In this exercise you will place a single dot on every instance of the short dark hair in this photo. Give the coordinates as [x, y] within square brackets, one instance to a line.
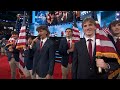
[14, 32]
[29, 37]
[69, 29]
[113, 23]
[43, 27]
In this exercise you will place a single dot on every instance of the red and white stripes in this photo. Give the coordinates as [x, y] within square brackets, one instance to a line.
[76, 34]
[22, 38]
[21, 42]
[104, 47]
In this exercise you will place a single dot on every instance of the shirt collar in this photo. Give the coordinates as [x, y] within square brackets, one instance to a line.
[116, 37]
[93, 38]
[69, 39]
[44, 39]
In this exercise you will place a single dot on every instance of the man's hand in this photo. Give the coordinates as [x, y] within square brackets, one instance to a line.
[100, 63]
[34, 41]
[24, 47]
[10, 48]
[48, 76]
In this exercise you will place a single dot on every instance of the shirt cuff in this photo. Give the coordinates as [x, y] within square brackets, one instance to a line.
[67, 52]
[108, 67]
[30, 46]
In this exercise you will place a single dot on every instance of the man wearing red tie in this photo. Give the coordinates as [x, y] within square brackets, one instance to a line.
[66, 48]
[85, 65]
[44, 54]
[114, 27]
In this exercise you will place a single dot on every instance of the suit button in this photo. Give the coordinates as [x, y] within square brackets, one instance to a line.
[90, 68]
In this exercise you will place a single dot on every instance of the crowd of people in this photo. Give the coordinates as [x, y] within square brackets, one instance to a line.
[57, 17]
[78, 58]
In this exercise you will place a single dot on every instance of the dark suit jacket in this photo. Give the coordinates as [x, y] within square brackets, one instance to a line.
[15, 54]
[28, 58]
[63, 47]
[81, 66]
[44, 59]
[111, 38]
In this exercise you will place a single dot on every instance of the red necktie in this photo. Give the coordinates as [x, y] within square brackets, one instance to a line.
[118, 44]
[70, 57]
[68, 43]
[41, 43]
[90, 49]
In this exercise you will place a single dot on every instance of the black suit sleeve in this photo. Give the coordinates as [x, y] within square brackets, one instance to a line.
[75, 63]
[51, 59]
[62, 49]
[114, 65]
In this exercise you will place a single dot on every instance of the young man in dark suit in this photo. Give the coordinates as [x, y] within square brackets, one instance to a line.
[85, 64]
[66, 48]
[13, 54]
[44, 54]
[28, 58]
[114, 27]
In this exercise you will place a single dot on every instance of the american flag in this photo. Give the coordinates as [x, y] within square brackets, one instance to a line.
[20, 44]
[104, 47]
[76, 32]
[106, 30]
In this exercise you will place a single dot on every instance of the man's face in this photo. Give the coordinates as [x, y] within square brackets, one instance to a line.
[68, 33]
[15, 36]
[89, 28]
[115, 28]
[42, 33]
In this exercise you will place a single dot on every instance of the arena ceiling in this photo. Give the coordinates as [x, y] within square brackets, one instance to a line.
[11, 15]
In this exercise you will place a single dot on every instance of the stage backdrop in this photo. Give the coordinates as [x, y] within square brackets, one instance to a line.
[56, 30]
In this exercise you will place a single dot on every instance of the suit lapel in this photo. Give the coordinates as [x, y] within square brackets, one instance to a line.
[86, 50]
[46, 43]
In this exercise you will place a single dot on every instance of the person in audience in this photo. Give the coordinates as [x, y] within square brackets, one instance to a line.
[85, 64]
[3, 43]
[66, 48]
[67, 16]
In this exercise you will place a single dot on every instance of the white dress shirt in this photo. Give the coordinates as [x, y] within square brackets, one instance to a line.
[43, 40]
[115, 38]
[70, 41]
[93, 42]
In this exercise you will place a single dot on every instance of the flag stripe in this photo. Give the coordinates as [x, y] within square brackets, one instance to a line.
[21, 41]
[102, 37]
[21, 44]
[22, 37]
[22, 63]
[104, 43]
[76, 36]
[22, 34]
[23, 31]
[105, 49]
[76, 33]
